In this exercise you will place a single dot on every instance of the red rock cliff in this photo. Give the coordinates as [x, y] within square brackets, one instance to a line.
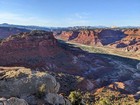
[28, 47]
[128, 39]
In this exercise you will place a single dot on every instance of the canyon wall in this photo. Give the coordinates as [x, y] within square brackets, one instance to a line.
[126, 39]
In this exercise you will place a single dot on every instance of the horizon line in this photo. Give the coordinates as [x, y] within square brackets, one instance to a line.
[107, 26]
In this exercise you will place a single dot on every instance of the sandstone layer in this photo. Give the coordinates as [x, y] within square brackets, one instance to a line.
[126, 39]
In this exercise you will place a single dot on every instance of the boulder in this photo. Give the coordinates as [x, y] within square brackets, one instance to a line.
[13, 101]
[33, 87]
[21, 81]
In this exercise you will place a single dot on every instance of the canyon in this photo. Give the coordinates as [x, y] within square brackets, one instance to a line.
[125, 39]
[59, 55]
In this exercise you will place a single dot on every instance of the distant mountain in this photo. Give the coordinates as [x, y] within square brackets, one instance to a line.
[7, 31]
[85, 27]
[51, 28]
[130, 27]
[25, 27]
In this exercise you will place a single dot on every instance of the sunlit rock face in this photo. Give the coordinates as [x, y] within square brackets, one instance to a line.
[96, 37]
[28, 48]
[128, 39]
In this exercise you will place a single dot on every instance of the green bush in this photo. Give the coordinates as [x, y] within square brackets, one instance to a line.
[76, 98]
[104, 97]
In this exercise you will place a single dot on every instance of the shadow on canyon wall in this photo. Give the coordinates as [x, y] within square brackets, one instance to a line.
[77, 50]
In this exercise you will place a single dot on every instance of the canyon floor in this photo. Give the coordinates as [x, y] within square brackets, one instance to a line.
[106, 50]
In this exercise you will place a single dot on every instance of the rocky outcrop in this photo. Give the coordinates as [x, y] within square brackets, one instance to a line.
[84, 37]
[28, 49]
[29, 85]
[129, 43]
[21, 81]
[97, 37]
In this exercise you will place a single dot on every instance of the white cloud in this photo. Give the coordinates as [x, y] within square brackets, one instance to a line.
[82, 15]
[76, 19]
[21, 19]
[79, 16]
[77, 22]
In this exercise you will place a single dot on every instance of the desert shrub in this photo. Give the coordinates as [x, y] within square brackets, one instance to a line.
[109, 97]
[105, 101]
[88, 98]
[76, 98]
[104, 97]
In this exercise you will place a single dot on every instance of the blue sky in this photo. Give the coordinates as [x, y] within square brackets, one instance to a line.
[61, 13]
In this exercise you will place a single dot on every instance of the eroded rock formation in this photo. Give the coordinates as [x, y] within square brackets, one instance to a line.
[28, 48]
[128, 39]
